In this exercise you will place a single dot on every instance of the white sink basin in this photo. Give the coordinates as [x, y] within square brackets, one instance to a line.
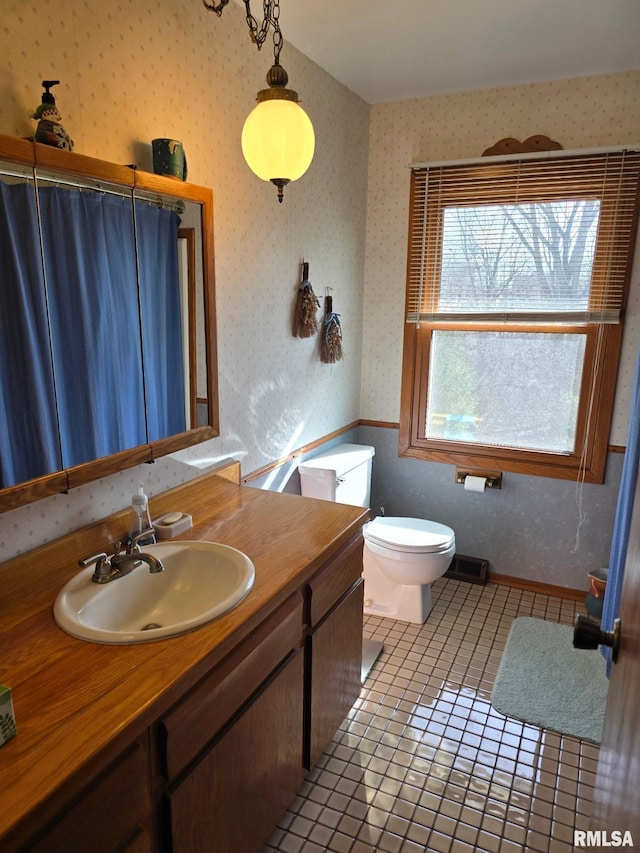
[200, 581]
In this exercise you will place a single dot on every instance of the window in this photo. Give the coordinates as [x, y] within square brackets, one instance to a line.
[517, 278]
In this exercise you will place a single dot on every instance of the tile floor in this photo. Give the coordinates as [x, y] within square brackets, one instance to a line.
[424, 763]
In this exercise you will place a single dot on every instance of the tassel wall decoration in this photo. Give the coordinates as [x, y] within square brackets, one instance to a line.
[331, 343]
[305, 323]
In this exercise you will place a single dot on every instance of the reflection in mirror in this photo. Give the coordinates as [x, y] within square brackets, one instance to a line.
[196, 352]
[193, 274]
[161, 318]
[29, 445]
[186, 264]
[172, 312]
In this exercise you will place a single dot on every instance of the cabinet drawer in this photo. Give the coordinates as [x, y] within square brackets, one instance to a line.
[204, 711]
[335, 579]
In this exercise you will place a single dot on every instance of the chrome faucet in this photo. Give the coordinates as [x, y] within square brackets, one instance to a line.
[123, 563]
[108, 569]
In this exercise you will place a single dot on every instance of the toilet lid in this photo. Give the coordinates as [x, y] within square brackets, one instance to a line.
[413, 535]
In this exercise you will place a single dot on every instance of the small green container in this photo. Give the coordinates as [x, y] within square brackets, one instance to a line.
[7, 717]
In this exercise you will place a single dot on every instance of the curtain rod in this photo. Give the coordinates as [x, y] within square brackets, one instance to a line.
[78, 184]
[529, 155]
[125, 192]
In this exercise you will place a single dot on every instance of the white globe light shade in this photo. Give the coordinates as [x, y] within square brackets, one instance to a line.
[278, 140]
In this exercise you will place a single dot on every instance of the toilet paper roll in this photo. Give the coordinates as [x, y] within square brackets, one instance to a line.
[474, 484]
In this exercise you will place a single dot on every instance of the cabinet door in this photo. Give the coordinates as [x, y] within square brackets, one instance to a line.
[232, 800]
[113, 814]
[335, 655]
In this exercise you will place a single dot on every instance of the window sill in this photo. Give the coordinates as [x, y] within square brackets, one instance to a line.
[538, 465]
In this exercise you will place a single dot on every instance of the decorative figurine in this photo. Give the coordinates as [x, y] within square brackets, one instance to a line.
[49, 130]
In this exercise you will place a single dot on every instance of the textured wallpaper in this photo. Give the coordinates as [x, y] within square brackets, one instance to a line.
[134, 70]
[584, 113]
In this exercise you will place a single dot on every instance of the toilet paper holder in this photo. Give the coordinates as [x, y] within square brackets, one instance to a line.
[493, 478]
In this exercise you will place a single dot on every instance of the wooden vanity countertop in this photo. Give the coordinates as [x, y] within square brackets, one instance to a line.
[76, 703]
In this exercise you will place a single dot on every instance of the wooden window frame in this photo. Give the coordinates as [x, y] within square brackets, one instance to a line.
[602, 352]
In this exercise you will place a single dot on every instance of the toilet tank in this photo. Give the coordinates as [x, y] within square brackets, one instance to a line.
[341, 474]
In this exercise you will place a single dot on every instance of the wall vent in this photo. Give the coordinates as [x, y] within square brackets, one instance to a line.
[470, 569]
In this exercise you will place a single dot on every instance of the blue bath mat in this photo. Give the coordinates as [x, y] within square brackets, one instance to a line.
[544, 681]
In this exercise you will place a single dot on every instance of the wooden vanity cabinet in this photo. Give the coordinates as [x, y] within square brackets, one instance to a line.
[217, 770]
[238, 746]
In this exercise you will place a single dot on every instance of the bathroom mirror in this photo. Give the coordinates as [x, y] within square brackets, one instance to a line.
[108, 351]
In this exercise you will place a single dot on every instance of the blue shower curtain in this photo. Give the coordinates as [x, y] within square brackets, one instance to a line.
[157, 246]
[106, 376]
[611, 604]
[90, 270]
[29, 445]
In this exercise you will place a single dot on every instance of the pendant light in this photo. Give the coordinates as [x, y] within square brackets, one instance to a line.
[278, 141]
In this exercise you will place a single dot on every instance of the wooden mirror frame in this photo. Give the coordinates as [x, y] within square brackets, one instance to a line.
[69, 164]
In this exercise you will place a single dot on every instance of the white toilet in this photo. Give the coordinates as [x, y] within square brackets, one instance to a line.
[402, 556]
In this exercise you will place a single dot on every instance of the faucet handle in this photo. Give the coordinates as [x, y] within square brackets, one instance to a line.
[98, 559]
[103, 568]
[133, 545]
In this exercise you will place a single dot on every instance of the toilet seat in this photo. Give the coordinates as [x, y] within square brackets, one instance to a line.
[409, 535]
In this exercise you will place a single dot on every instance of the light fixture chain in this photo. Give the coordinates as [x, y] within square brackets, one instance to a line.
[277, 35]
[258, 33]
[215, 7]
[271, 16]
